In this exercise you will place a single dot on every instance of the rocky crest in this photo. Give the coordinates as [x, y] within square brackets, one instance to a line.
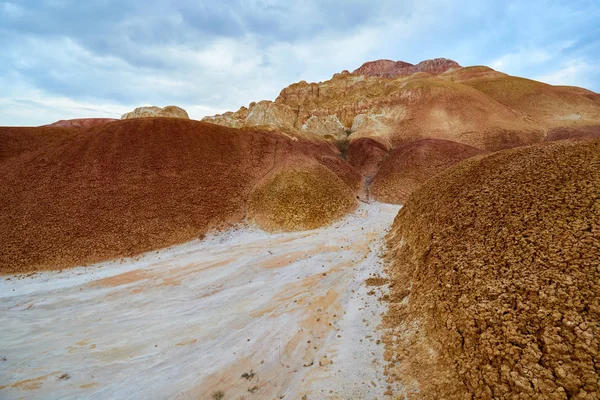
[392, 69]
[396, 103]
[153, 111]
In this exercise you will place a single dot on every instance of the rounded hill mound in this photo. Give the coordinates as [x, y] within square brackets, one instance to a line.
[130, 186]
[299, 198]
[496, 277]
[408, 167]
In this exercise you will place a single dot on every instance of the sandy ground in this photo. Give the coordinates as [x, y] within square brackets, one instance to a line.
[251, 314]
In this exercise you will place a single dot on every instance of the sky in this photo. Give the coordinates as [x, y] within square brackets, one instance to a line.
[64, 59]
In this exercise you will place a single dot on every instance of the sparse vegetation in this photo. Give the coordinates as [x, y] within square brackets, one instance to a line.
[248, 375]
[218, 395]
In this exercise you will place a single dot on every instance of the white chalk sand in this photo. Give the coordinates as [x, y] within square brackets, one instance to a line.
[251, 314]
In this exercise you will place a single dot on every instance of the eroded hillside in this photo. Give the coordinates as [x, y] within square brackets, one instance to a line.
[495, 265]
[126, 187]
[396, 103]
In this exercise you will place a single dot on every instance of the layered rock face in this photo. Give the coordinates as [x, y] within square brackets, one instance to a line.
[126, 187]
[395, 103]
[386, 105]
[495, 278]
[153, 111]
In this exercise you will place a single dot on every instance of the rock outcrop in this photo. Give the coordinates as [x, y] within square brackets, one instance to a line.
[395, 103]
[328, 127]
[153, 111]
[392, 69]
[495, 278]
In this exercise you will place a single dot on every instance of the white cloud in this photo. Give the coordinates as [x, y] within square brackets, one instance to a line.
[193, 80]
[575, 72]
[223, 76]
[219, 57]
[521, 59]
[524, 59]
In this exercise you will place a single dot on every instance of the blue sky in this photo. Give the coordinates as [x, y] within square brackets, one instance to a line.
[100, 58]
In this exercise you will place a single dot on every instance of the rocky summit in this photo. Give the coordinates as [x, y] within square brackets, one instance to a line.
[153, 111]
[392, 69]
[396, 103]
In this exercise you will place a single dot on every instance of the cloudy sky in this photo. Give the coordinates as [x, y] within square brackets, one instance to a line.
[100, 58]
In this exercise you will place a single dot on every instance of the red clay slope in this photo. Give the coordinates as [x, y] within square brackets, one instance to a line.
[81, 122]
[130, 186]
[574, 132]
[365, 155]
[495, 265]
[408, 167]
[15, 141]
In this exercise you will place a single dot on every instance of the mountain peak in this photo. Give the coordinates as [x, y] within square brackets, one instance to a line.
[391, 69]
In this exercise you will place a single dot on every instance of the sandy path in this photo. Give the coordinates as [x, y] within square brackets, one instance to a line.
[290, 311]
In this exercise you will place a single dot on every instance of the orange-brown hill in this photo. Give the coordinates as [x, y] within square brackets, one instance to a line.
[15, 141]
[576, 133]
[549, 106]
[130, 186]
[392, 111]
[406, 168]
[300, 198]
[495, 269]
[395, 103]
[391, 69]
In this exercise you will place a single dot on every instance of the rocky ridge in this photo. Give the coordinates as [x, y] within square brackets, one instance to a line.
[392, 69]
[80, 122]
[396, 103]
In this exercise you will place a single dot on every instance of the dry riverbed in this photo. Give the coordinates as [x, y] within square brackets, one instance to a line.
[243, 314]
